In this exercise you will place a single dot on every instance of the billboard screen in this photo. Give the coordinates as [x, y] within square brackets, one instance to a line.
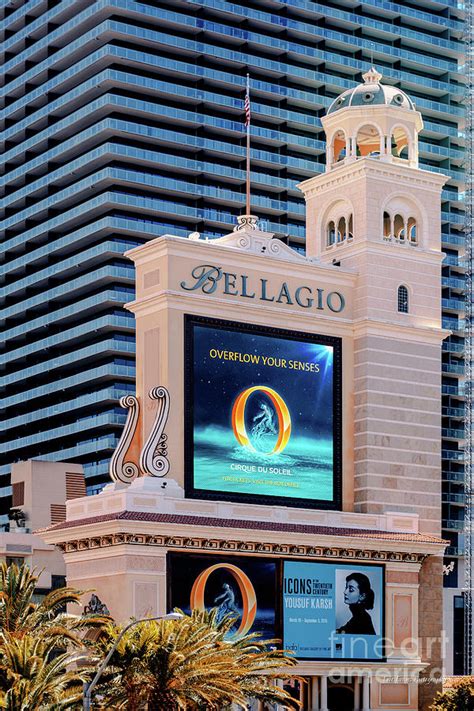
[263, 413]
[333, 611]
[238, 585]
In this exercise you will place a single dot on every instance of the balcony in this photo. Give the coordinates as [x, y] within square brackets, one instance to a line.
[452, 524]
[454, 498]
[457, 412]
[453, 476]
[453, 283]
[454, 551]
[452, 433]
[450, 347]
[452, 454]
[457, 390]
[453, 304]
[456, 368]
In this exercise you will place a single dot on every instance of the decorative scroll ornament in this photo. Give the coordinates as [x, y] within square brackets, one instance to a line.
[119, 469]
[154, 455]
[246, 222]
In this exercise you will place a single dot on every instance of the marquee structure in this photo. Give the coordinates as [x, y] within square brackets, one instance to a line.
[281, 458]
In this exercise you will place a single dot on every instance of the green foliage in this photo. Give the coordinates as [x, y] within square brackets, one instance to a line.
[38, 643]
[458, 698]
[37, 677]
[19, 615]
[191, 663]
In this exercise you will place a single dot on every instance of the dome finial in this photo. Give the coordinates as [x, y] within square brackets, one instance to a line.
[372, 76]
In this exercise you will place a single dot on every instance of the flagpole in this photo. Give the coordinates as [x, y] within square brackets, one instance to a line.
[247, 122]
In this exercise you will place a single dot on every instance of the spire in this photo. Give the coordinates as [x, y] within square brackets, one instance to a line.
[372, 76]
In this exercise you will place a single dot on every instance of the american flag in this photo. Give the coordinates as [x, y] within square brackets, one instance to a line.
[247, 104]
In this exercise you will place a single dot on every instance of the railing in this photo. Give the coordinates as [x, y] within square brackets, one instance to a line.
[451, 524]
[454, 551]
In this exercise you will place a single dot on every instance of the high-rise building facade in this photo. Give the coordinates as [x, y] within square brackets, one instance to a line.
[123, 120]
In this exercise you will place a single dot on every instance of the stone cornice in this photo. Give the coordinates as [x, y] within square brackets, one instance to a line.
[235, 544]
[408, 332]
[383, 247]
[211, 534]
[373, 169]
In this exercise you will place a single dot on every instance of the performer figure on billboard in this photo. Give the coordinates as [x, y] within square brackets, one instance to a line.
[226, 602]
[264, 422]
[360, 597]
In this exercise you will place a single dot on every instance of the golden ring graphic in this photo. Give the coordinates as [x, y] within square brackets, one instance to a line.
[284, 419]
[247, 592]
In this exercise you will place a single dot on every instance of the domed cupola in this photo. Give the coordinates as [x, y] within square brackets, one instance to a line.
[372, 120]
[372, 93]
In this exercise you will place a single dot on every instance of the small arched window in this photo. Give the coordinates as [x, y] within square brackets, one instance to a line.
[402, 299]
[399, 228]
[368, 137]
[386, 226]
[339, 146]
[341, 229]
[400, 143]
[411, 226]
[331, 234]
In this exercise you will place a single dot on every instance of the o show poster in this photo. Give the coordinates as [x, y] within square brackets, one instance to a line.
[236, 585]
[333, 611]
[263, 414]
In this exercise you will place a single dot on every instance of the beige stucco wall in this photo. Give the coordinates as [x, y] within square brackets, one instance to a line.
[160, 310]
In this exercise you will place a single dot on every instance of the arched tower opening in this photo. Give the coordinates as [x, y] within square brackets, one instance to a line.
[368, 141]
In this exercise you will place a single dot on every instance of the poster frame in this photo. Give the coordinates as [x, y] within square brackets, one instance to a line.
[179, 554]
[190, 321]
[353, 566]
[280, 561]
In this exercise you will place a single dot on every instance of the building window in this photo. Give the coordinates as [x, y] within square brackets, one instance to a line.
[340, 230]
[15, 560]
[403, 299]
[412, 237]
[331, 234]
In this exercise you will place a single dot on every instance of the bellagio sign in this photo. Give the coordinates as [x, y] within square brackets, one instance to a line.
[210, 279]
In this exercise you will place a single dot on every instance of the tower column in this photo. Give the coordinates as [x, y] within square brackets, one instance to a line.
[314, 693]
[365, 693]
[356, 693]
[324, 693]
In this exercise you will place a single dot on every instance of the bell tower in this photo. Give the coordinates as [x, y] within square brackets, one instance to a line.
[374, 211]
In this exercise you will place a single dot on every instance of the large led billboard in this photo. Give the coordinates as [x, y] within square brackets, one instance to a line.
[263, 414]
[333, 610]
[236, 585]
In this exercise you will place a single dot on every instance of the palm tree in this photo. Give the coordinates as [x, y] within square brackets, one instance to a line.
[35, 676]
[19, 615]
[37, 643]
[191, 663]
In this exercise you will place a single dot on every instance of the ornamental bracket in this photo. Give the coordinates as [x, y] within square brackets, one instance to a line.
[154, 455]
[129, 459]
[119, 469]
